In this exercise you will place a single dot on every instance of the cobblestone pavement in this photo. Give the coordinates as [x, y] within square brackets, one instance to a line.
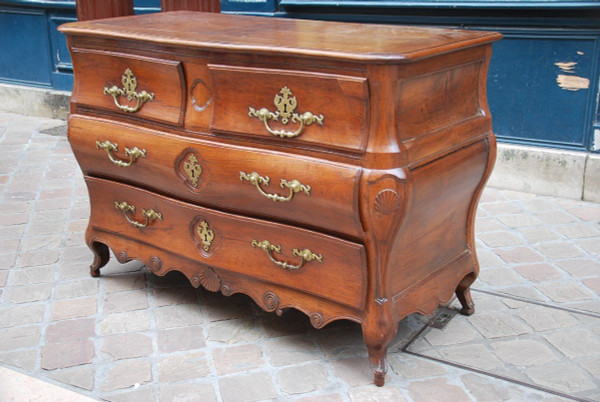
[132, 336]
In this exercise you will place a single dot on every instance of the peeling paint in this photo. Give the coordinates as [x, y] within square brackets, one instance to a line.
[596, 142]
[572, 82]
[566, 66]
[579, 52]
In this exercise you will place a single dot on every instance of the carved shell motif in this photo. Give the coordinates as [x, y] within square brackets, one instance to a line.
[208, 279]
[387, 201]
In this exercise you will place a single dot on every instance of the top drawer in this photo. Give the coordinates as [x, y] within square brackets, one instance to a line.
[138, 86]
[329, 110]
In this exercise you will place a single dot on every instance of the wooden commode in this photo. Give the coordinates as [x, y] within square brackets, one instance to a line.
[333, 168]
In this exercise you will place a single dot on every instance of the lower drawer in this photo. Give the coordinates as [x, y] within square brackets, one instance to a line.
[312, 262]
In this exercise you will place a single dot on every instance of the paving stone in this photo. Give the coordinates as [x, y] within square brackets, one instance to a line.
[324, 398]
[485, 389]
[526, 292]
[291, 350]
[187, 393]
[247, 387]
[555, 217]
[593, 284]
[497, 325]
[80, 253]
[519, 255]
[15, 207]
[186, 366]
[562, 292]
[574, 231]
[175, 295]
[24, 359]
[7, 261]
[523, 352]
[291, 322]
[539, 233]
[544, 318]
[142, 394]
[473, 355]
[354, 370]
[411, 367]
[237, 358]
[73, 270]
[181, 315]
[80, 377]
[591, 246]
[13, 219]
[73, 308]
[71, 330]
[121, 282]
[21, 315]
[580, 267]
[587, 212]
[500, 239]
[76, 288]
[19, 337]
[41, 242]
[38, 257]
[12, 232]
[30, 293]
[488, 259]
[30, 276]
[133, 321]
[592, 365]
[560, 376]
[559, 250]
[302, 379]
[518, 220]
[586, 344]
[219, 307]
[45, 228]
[3, 278]
[126, 374]
[501, 208]
[10, 245]
[343, 342]
[234, 331]
[499, 276]
[125, 301]
[179, 339]
[67, 354]
[483, 225]
[456, 331]
[127, 346]
[436, 390]
[538, 272]
[388, 393]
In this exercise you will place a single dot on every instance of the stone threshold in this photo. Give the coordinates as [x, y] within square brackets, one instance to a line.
[542, 171]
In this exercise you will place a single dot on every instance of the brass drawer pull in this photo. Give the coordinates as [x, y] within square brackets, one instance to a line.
[285, 104]
[149, 214]
[109, 147]
[129, 85]
[295, 186]
[305, 255]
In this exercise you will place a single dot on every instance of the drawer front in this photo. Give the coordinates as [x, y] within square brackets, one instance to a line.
[134, 86]
[297, 258]
[325, 194]
[293, 107]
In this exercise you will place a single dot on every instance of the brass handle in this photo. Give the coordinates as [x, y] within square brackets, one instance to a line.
[109, 147]
[305, 255]
[129, 85]
[285, 104]
[150, 214]
[295, 186]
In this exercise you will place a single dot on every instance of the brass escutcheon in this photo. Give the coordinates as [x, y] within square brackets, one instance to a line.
[149, 214]
[192, 169]
[109, 147]
[294, 186]
[286, 104]
[129, 86]
[305, 255]
[206, 234]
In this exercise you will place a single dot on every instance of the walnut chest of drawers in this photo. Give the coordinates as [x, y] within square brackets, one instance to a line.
[333, 168]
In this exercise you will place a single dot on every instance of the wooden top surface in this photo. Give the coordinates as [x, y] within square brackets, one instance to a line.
[247, 34]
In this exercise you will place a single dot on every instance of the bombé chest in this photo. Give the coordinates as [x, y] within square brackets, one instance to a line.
[333, 168]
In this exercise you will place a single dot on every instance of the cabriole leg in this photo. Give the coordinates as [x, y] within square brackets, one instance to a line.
[378, 335]
[101, 257]
[463, 292]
